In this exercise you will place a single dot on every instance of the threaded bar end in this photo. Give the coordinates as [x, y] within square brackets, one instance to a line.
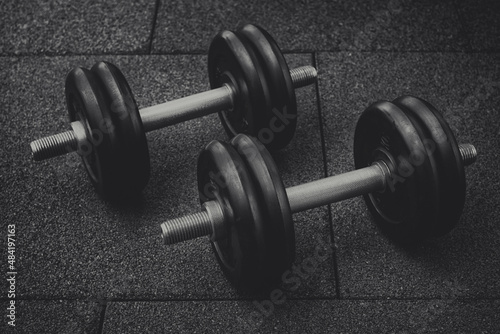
[303, 76]
[53, 146]
[186, 228]
[468, 153]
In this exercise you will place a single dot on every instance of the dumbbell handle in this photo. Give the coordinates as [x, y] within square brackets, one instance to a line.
[352, 184]
[338, 187]
[186, 108]
[206, 103]
[301, 197]
[163, 115]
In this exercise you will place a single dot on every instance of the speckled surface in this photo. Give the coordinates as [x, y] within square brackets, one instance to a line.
[393, 25]
[89, 266]
[481, 21]
[292, 316]
[81, 27]
[56, 316]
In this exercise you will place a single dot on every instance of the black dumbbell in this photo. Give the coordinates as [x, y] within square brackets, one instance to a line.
[410, 171]
[252, 89]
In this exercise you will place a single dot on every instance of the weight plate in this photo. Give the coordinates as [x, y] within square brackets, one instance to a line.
[425, 157]
[444, 150]
[130, 170]
[231, 62]
[280, 119]
[86, 103]
[279, 231]
[222, 176]
[410, 200]
[261, 126]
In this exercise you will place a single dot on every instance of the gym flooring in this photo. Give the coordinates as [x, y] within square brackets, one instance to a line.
[84, 265]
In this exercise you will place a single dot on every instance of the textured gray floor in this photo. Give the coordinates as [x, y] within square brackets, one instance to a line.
[87, 266]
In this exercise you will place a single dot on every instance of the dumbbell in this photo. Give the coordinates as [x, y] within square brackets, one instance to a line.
[409, 168]
[252, 89]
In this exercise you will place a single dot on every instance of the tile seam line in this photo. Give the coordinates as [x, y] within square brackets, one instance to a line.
[102, 318]
[336, 274]
[153, 27]
[130, 54]
[68, 55]
[389, 299]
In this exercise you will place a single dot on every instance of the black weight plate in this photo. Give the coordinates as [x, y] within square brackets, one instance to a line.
[130, 171]
[222, 176]
[86, 103]
[281, 117]
[230, 62]
[446, 153]
[410, 200]
[260, 115]
[279, 231]
[433, 203]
